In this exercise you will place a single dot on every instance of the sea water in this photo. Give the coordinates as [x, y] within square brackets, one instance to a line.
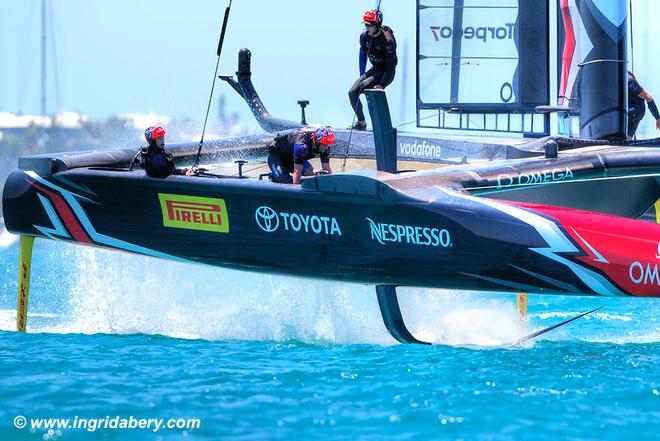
[117, 340]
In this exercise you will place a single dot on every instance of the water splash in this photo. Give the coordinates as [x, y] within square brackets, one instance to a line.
[6, 238]
[460, 318]
[87, 290]
[110, 292]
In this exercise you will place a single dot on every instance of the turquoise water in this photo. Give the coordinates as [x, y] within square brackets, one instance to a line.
[255, 357]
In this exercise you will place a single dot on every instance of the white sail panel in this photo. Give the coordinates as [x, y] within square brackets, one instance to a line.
[482, 57]
[471, 51]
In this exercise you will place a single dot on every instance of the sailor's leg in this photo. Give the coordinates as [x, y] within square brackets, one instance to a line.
[364, 82]
[634, 118]
[354, 99]
[278, 170]
[381, 80]
[389, 309]
[24, 264]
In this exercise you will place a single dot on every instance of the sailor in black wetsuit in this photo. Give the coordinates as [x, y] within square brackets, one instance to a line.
[290, 154]
[636, 108]
[378, 44]
[155, 160]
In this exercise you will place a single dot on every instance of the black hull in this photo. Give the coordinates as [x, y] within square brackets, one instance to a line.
[366, 229]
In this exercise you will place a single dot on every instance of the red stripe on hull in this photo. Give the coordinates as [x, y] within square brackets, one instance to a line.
[68, 217]
[626, 250]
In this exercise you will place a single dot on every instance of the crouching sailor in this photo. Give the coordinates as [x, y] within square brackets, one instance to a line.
[155, 160]
[290, 154]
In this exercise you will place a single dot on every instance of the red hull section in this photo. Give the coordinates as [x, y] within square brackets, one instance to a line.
[626, 251]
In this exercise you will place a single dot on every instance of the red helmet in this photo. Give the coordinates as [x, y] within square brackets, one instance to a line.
[372, 16]
[324, 135]
[154, 132]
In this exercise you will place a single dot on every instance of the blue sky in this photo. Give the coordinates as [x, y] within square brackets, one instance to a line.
[128, 56]
[158, 56]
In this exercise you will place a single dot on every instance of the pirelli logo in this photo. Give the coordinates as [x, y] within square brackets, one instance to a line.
[194, 213]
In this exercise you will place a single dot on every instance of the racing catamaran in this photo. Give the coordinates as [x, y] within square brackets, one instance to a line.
[553, 215]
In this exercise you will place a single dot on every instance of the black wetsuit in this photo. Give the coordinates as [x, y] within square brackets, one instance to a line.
[295, 148]
[636, 104]
[381, 51]
[158, 163]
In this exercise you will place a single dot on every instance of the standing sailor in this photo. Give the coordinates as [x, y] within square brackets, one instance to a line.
[291, 153]
[378, 44]
[636, 108]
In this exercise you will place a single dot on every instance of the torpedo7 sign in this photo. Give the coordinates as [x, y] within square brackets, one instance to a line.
[487, 54]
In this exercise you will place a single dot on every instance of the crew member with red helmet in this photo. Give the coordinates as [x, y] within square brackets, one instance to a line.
[377, 43]
[155, 160]
[290, 153]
